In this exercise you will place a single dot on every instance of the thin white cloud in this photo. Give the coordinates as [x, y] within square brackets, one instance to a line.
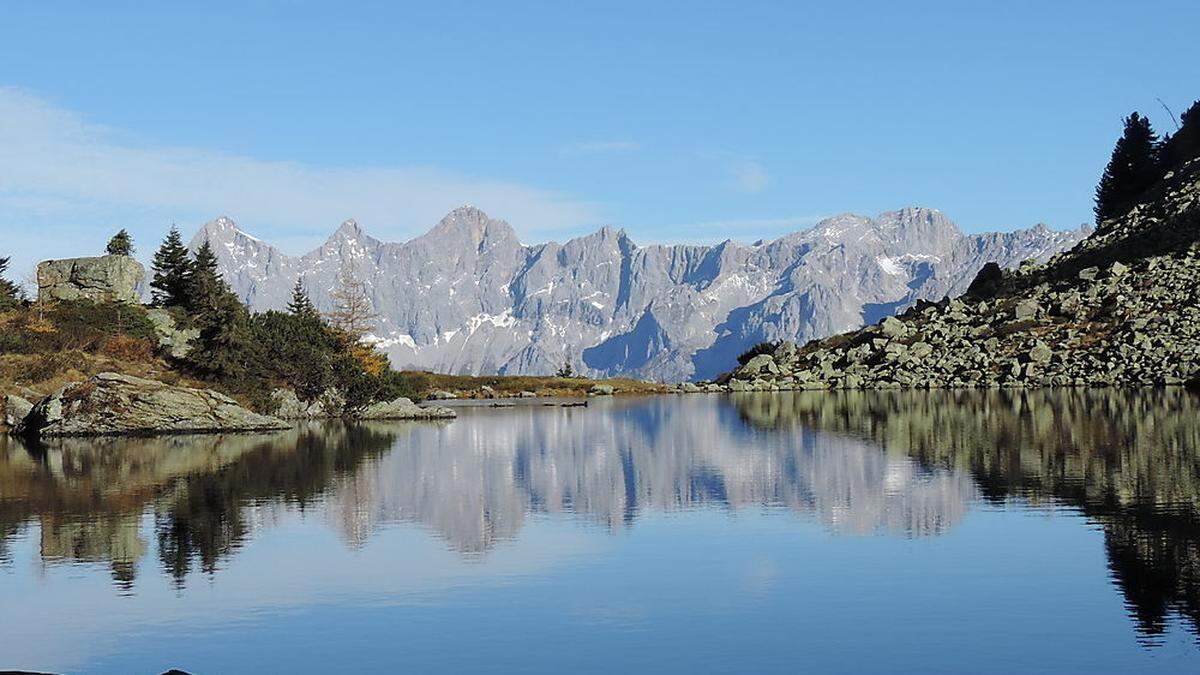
[748, 176]
[600, 147]
[53, 161]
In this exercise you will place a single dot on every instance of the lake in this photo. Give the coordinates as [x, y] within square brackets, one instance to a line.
[1005, 531]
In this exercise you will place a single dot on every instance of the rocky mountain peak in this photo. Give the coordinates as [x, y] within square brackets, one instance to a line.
[228, 239]
[221, 229]
[468, 297]
[469, 226]
[349, 230]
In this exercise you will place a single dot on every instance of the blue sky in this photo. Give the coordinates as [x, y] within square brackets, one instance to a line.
[677, 121]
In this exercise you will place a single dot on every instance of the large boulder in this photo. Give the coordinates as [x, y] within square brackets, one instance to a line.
[601, 390]
[115, 404]
[404, 409]
[109, 278]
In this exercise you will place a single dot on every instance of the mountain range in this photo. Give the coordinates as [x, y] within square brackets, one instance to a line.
[468, 297]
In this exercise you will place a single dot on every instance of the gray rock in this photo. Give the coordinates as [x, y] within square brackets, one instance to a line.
[1040, 352]
[1026, 309]
[601, 390]
[112, 404]
[404, 409]
[762, 364]
[109, 278]
[288, 406]
[892, 327]
[15, 410]
[173, 340]
[441, 395]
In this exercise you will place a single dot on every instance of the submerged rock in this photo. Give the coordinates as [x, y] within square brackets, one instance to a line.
[114, 404]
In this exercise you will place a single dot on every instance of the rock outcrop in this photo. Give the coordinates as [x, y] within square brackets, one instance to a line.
[116, 404]
[109, 278]
[1120, 309]
[404, 409]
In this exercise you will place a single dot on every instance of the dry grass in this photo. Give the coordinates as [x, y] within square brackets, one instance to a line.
[41, 374]
[468, 386]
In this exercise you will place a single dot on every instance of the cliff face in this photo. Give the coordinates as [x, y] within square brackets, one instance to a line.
[1121, 308]
[468, 297]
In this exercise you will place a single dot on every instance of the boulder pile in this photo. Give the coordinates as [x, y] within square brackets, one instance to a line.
[1120, 309]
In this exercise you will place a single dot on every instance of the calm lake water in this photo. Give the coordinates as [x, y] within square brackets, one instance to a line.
[821, 532]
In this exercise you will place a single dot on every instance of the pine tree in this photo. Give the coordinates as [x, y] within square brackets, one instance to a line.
[301, 305]
[206, 286]
[172, 272]
[120, 244]
[9, 293]
[226, 349]
[1185, 144]
[1133, 168]
[352, 313]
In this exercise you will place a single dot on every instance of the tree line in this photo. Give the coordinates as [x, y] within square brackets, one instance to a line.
[1140, 159]
[251, 352]
[243, 352]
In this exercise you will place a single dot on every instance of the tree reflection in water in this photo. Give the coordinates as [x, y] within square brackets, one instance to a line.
[860, 463]
[1127, 460]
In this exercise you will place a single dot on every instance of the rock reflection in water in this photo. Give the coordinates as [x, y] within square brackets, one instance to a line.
[1127, 460]
[476, 481]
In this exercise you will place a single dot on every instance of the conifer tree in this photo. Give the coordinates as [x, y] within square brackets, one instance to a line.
[226, 348]
[1185, 144]
[120, 244]
[301, 305]
[9, 294]
[1133, 168]
[206, 286]
[172, 272]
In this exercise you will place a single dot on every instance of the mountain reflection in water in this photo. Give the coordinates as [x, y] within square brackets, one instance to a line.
[858, 463]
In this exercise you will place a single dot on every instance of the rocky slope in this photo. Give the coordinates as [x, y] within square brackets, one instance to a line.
[1121, 308]
[468, 297]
